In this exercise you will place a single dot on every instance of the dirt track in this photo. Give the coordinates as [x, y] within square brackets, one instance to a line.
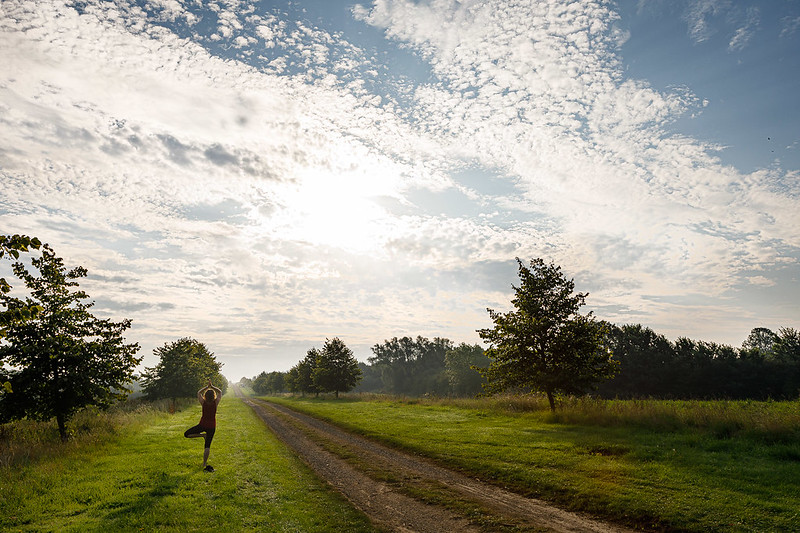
[386, 496]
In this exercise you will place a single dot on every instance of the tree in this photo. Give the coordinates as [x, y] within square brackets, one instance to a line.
[64, 358]
[11, 246]
[265, 383]
[336, 369]
[412, 366]
[184, 367]
[276, 382]
[460, 366]
[760, 343]
[787, 345]
[545, 344]
[646, 360]
[301, 376]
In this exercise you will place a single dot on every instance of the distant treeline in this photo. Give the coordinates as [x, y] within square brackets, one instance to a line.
[767, 365]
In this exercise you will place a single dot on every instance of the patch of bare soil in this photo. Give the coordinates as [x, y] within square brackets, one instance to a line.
[389, 485]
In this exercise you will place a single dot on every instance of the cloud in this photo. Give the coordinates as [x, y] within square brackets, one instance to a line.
[789, 26]
[276, 182]
[539, 92]
[697, 16]
[743, 34]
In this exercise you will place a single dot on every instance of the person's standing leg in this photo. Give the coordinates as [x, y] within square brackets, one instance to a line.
[207, 449]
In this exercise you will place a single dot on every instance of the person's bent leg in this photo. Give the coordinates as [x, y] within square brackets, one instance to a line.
[194, 432]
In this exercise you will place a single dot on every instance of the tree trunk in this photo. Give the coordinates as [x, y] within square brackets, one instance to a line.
[62, 427]
[551, 400]
[337, 394]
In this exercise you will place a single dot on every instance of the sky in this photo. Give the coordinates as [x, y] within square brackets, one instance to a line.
[261, 176]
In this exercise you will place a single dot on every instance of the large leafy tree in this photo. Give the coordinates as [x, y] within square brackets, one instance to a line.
[545, 344]
[184, 367]
[63, 358]
[336, 369]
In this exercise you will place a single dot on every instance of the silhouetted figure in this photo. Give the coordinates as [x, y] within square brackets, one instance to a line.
[209, 397]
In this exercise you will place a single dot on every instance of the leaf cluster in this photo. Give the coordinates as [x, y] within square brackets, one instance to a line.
[11, 246]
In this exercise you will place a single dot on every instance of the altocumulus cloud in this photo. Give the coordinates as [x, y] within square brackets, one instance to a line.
[244, 176]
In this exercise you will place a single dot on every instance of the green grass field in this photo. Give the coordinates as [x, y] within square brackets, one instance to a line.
[148, 478]
[693, 466]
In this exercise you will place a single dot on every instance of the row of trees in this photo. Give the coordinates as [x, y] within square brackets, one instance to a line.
[546, 344]
[421, 366]
[767, 365]
[56, 357]
[403, 366]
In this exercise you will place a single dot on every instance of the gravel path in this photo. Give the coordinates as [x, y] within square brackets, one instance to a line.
[387, 503]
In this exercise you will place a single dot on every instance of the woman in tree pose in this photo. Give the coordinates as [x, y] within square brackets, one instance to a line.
[209, 397]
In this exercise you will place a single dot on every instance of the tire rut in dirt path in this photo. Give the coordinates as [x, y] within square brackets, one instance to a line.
[387, 508]
[384, 504]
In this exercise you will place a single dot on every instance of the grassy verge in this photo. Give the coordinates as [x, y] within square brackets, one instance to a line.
[26, 441]
[149, 478]
[695, 466]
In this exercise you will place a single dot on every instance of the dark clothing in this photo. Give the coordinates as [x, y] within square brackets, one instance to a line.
[199, 429]
[209, 418]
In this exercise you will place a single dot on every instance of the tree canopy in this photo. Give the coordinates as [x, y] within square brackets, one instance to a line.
[545, 344]
[460, 364]
[336, 369]
[300, 377]
[63, 358]
[331, 369]
[412, 366]
[268, 383]
[184, 367]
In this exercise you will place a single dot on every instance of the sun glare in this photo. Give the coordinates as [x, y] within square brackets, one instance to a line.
[336, 210]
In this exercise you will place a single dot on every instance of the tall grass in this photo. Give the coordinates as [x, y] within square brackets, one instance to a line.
[772, 421]
[25, 441]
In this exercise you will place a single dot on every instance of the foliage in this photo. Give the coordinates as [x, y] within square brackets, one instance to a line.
[766, 366]
[11, 246]
[268, 383]
[412, 366]
[64, 359]
[761, 342]
[545, 343]
[460, 366]
[336, 369]
[300, 377]
[184, 367]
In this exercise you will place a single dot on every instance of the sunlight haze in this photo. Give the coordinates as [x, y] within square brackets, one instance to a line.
[261, 176]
